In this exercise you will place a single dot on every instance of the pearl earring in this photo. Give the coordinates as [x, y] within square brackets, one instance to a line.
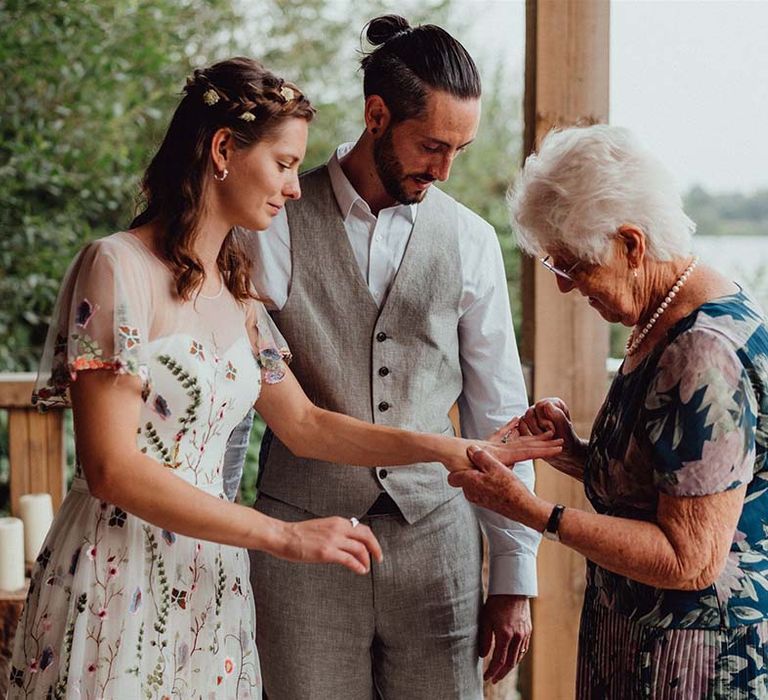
[222, 177]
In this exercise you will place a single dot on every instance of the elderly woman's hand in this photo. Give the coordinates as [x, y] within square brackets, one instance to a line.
[550, 415]
[494, 486]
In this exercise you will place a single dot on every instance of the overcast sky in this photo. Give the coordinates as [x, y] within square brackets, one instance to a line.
[690, 77]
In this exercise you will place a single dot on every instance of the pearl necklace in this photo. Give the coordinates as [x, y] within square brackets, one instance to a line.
[634, 341]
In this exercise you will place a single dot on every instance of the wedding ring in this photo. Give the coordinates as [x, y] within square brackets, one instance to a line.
[506, 436]
[355, 522]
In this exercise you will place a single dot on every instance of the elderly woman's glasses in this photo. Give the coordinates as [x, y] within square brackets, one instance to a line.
[565, 274]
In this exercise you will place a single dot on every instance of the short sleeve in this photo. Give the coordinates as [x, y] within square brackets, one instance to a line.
[700, 417]
[269, 346]
[100, 321]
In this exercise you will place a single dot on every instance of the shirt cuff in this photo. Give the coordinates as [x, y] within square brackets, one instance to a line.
[513, 574]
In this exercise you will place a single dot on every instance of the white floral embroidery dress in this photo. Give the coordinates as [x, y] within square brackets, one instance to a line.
[119, 608]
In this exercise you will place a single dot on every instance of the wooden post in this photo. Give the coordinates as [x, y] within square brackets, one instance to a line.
[567, 46]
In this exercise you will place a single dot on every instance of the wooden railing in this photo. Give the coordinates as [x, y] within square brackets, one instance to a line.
[37, 464]
[35, 442]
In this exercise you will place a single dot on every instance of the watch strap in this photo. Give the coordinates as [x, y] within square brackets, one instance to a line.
[550, 531]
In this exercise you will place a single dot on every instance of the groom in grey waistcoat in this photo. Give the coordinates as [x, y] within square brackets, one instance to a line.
[392, 297]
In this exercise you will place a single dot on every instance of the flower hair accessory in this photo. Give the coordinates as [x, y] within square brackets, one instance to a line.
[211, 97]
[287, 93]
[247, 117]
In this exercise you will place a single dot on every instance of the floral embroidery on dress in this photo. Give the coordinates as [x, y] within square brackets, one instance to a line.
[161, 407]
[84, 313]
[196, 350]
[118, 607]
[273, 364]
[130, 337]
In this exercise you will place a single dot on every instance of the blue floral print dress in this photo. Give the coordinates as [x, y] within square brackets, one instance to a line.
[119, 608]
[690, 420]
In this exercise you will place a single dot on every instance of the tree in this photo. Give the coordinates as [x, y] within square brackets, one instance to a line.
[88, 89]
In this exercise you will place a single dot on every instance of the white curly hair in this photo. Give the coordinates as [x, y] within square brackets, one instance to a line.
[584, 184]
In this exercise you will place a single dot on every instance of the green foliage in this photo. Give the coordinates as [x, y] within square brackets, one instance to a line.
[728, 214]
[82, 110]
[250, 478]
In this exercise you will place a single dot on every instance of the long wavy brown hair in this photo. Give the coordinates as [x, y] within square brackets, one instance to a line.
[174, 183]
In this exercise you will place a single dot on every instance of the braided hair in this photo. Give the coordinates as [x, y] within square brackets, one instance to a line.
[238, 94]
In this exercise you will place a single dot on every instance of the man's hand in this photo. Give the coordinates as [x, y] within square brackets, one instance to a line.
[505, 625]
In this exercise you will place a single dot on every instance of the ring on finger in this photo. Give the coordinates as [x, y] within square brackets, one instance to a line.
[355, 522]
[506, 436]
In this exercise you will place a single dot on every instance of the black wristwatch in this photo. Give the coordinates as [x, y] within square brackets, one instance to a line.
[550, 531]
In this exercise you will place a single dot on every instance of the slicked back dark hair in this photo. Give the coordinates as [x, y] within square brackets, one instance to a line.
[409, 61]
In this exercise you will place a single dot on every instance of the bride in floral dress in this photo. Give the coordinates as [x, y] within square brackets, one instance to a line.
[141, 589]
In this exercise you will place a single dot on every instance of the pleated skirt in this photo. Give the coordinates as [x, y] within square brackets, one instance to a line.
[622, 660]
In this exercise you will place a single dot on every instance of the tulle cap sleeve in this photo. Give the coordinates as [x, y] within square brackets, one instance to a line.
[100, 321]
[269, 346]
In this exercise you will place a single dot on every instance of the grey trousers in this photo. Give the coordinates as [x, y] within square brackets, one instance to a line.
[406, 631]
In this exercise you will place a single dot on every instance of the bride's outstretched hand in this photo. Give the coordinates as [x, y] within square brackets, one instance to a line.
[513, 447]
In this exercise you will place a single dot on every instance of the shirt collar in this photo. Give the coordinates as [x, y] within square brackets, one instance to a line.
[346, 195]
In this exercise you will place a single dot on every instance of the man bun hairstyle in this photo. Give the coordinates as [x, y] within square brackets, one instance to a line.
[409, 61]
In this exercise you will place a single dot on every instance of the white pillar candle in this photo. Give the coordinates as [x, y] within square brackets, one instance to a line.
[36, 510]
[11, 554]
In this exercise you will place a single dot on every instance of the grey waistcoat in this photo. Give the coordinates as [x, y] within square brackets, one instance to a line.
[395, 366]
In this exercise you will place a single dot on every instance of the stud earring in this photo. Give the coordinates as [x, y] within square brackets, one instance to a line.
[222, 177]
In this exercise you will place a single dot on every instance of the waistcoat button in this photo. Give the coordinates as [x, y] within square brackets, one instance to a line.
[383, 474]
[383, 406]
[381, 336]
[383, 371]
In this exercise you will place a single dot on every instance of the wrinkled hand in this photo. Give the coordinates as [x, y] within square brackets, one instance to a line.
[331, 541]
[492, 485]
[505, 624]
[549, 415]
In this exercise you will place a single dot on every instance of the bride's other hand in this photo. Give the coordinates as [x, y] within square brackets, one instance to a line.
[330, 541]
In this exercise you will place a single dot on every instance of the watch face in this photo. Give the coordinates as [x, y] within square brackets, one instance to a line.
[551, 535]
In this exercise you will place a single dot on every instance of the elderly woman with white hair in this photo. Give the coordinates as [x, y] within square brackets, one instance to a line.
[676, 602]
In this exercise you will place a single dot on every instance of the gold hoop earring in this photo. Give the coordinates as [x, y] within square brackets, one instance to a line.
[222, 177]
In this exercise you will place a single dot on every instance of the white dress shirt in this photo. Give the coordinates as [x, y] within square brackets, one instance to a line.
[493, 389]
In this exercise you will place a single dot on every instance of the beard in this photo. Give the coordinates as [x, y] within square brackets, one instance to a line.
[391, 172]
